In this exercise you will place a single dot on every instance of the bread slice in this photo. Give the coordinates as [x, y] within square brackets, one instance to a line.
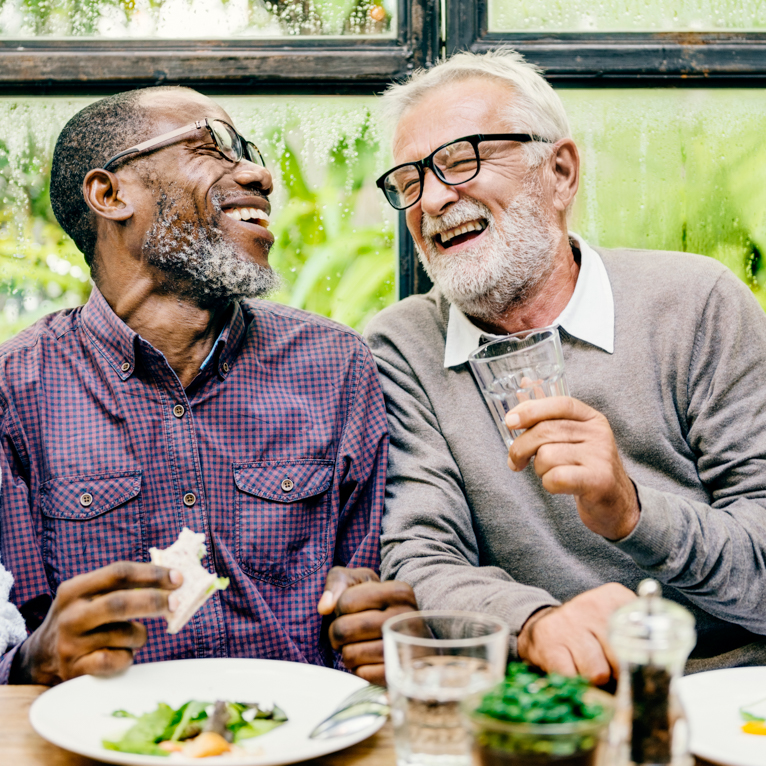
[185, 555]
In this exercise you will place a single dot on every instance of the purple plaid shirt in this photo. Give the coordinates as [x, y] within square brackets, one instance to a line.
[277, 452]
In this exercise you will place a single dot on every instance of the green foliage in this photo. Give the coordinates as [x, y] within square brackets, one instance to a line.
[78, 18]
[528, 696]
[332, 265]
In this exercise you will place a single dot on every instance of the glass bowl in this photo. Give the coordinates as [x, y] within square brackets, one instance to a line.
[504, 743]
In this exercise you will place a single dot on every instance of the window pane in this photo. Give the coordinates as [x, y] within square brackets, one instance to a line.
[626, 16]
[335, 233]
[188, 19]
[674, 170]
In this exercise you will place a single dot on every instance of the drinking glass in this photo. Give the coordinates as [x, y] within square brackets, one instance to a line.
[525, 365]
[435, 659]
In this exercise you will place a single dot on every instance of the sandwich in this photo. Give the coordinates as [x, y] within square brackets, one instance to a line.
[185, 555]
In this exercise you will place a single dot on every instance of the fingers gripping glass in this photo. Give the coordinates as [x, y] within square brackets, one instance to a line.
[453, 163]
[229, 143]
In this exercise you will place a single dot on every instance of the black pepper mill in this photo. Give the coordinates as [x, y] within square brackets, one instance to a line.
[652, 638]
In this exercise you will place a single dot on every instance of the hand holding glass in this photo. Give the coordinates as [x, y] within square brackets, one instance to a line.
[523, 366]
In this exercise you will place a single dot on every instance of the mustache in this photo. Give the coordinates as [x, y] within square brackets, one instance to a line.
[464, 210]
[220, 198]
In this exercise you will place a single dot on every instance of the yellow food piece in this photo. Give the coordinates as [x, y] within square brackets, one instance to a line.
[754, 727]
[205, 744]
[171, 747]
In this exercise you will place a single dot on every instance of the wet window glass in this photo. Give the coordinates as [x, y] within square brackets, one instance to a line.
[626, 16]
[189, 19]
[674, 170]
[335, 234]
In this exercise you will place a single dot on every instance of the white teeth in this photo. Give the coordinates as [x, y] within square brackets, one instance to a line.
[248, 214]
[446, 236]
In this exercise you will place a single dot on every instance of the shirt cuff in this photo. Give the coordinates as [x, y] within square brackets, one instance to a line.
[6, 660]
[652, 540]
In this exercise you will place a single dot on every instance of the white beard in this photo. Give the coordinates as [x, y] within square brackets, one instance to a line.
[199, 262]
[514, 257]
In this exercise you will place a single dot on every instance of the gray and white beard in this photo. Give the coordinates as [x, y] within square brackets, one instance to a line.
[512, 260]
[202, 264]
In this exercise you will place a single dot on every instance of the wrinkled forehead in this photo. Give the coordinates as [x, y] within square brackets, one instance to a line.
[168, 110]
[458, 109]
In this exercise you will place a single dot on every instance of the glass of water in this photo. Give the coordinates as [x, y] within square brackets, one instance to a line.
[435, 659]
[525, 365]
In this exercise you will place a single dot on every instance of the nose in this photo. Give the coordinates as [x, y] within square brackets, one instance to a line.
[436, 194]
[250, 174]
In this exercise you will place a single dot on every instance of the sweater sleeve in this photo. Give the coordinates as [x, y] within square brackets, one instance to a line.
[716, 553]
[428, 538]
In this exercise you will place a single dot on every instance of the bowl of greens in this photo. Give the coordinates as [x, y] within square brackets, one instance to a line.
[532, 718]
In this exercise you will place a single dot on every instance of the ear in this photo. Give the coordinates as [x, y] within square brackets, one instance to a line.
[104, 196]
[565, 164]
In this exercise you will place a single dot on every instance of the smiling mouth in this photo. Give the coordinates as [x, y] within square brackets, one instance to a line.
[460, 234]
[249, 214]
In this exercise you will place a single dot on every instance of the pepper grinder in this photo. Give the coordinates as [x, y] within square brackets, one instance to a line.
[651, 637]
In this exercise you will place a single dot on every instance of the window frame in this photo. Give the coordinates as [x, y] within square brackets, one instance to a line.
[618, 59]
[287, 65]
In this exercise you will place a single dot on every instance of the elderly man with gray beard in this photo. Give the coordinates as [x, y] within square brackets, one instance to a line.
[171, 401]
[653, 468]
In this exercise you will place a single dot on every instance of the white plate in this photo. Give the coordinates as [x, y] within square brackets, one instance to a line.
[712, 701]
[77, 714]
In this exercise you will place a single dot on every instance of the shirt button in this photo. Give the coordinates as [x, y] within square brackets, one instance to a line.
[179, 410]
[86, 499]
[189, 499]
[125, 366]
[287, 485]
[225, 366]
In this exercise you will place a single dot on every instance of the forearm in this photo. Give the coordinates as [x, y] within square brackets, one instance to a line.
[444, 582]
[715, 556]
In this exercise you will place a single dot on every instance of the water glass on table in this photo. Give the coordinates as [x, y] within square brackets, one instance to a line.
[525, 365]
[435, 659]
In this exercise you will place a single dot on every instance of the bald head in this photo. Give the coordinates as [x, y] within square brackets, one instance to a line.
[90, 138]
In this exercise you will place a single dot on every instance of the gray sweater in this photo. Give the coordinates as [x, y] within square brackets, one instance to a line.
[685, 394]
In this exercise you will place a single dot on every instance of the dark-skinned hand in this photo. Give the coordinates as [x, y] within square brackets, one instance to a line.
[572, 638]
[575, 454]
[91, 625]
[361, 604]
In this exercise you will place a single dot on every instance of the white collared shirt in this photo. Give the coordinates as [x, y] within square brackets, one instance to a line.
[589, 315]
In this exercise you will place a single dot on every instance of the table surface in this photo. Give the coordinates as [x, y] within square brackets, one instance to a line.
[20, 745]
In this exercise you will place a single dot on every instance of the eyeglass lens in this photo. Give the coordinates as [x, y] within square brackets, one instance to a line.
[232, 145]
[454, 164]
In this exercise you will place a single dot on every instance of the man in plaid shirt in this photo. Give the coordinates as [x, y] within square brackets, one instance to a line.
[169, 401]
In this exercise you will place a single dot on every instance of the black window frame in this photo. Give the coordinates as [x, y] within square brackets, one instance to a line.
[289, 65]
[618, 59]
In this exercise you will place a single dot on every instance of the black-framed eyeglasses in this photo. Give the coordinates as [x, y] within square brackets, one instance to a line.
[453, 163]
[228, 142]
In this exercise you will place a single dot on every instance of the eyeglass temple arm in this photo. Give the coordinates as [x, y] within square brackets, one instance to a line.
[153, 142]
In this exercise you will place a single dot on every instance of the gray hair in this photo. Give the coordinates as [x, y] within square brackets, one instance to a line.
[535, 107]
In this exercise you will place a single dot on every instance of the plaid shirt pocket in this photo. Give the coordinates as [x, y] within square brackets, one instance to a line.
[283, 512]
[91, 521]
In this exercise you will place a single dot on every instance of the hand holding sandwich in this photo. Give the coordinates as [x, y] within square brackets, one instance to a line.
[91, 626]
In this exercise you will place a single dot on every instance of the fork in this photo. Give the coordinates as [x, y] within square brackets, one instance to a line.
[358, 711]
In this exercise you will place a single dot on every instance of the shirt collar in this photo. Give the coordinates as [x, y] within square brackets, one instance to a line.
[119, 343]
[589, 315]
